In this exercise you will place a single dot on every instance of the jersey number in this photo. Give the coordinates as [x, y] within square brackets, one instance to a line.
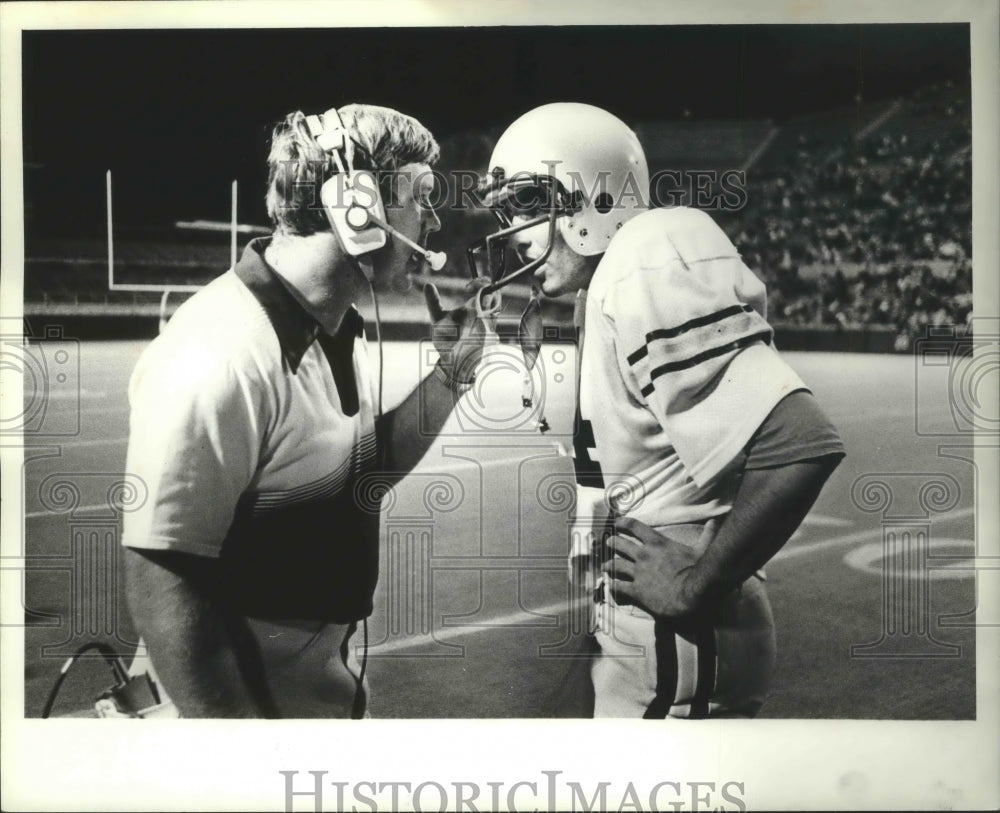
[588, 470]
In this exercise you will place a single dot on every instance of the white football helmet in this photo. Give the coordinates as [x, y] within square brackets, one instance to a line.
[574, 165]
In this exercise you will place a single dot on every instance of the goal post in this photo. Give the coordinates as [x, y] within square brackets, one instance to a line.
[233, 227]
[115, 285]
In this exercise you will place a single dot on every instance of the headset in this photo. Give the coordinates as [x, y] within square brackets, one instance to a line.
[351, 196]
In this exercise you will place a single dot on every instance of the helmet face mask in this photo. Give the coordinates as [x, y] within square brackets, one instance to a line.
[575, 166]
[528, 199]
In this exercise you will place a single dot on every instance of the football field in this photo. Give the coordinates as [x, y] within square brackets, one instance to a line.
[874, 597]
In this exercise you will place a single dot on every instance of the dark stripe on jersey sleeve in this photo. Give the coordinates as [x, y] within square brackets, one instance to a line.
[691, 324]
[714, 352]
[666, 671]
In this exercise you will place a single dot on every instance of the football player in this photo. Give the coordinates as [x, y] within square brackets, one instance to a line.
[694, 438]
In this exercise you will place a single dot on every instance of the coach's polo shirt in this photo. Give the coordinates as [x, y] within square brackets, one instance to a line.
[251, 432]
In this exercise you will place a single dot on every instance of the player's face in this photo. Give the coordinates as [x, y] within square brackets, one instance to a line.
[564, 271]
[410, 210]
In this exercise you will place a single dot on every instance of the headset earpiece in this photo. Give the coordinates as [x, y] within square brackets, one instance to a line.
[350, 197]
[350, 200]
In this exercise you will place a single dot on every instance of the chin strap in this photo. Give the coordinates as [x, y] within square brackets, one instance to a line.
[529, 337]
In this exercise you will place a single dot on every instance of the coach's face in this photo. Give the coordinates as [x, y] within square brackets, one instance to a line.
[410, 210]
[564, 271]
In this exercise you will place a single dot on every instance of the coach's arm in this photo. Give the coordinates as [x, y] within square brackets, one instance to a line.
[200, 651]
[406, 432]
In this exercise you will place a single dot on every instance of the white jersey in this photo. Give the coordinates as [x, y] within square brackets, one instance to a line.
[678, 368]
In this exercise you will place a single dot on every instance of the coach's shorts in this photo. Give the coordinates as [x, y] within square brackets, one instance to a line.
[299, 669]
[719, 665]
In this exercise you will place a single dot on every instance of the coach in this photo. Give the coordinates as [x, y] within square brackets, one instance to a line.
[253, 418]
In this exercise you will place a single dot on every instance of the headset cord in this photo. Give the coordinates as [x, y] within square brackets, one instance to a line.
[378, 338]
[115, 662]
[360, 705]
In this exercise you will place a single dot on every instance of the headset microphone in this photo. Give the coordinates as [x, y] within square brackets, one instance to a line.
[360, 218]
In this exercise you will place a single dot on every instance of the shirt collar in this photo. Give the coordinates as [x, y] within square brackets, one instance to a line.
[295, 328]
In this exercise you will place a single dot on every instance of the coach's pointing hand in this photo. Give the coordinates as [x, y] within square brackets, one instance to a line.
[650, 572]
[460, 335]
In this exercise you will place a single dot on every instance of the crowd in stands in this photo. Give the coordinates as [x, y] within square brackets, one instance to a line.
[848, 228]
[904, 296]
[876, 231]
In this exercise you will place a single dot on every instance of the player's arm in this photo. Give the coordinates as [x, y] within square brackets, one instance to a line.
[769, 506]
[789, 460]
[406, 432]
[200, 652]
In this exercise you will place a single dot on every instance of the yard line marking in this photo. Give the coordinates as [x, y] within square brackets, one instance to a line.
[74, 396]
[827, 521]
[97, 442]
[857, 536]
[67, 408]
[886, 414]
[83, 509]
[450, 633]
[81, 444]
[820, 520]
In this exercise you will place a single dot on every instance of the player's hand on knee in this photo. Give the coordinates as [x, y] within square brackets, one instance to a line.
[461, 334]
[648, 569]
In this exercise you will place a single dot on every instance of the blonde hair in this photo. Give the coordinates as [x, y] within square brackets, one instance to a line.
[298, 166]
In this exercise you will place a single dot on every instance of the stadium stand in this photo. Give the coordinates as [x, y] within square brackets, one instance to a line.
[858, 218]
[872, 229]
[704, 145]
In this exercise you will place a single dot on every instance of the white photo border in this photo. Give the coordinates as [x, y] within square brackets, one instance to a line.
[216, 765]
